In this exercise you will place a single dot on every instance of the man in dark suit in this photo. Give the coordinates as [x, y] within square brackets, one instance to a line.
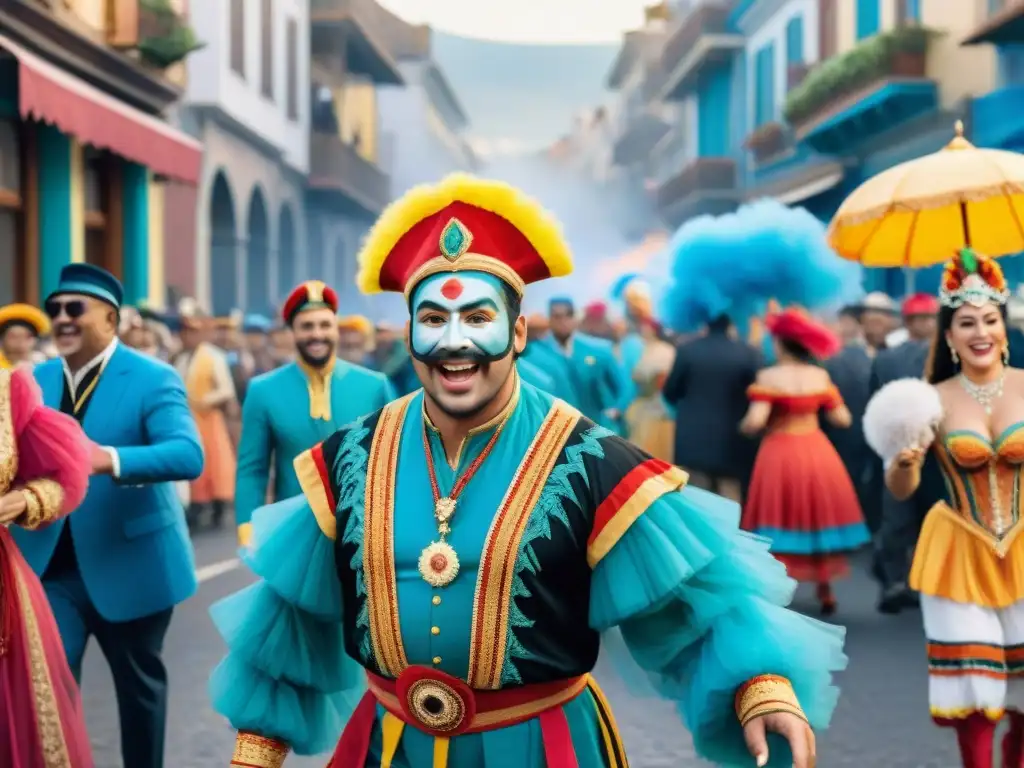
[850, 371]
[116, 568]
[707, 387]
[901, 521]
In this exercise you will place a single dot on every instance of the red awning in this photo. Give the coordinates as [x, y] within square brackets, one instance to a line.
[51, 95]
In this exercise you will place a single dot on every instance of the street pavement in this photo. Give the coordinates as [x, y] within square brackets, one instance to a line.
[882, 720]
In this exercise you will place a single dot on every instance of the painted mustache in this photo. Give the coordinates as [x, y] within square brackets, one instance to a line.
[469, 354]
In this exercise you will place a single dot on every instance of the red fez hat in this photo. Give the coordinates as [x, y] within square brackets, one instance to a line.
[795, 326]
[311, 294]
[596, 310]
[920, 304]
[462, 224]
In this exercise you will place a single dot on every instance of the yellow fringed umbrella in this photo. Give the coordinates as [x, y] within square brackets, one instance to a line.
[921, 212]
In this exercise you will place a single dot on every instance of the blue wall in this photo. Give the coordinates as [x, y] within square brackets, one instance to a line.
[714, 99]
[795, 40]
[55, 200]
[764, 85]
[135, 185]
[869, 17]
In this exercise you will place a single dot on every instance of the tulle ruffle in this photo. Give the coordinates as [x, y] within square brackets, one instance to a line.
[700, 606]
[286, 674]
[50, 444]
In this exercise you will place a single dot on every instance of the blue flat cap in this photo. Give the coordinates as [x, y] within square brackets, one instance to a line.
[90, 280]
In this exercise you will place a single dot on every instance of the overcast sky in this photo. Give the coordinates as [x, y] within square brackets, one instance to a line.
[526, 21]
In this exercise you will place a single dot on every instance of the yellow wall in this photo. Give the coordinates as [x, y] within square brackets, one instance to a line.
[77, 202]
[846, 25]
[157, 290]
[960, 70]
[93, 13]
[357, 110]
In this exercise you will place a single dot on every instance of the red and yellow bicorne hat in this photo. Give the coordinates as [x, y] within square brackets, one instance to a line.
[312, 294]
[462, 223]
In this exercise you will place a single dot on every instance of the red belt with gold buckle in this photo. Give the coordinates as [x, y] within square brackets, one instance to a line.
[444, 706]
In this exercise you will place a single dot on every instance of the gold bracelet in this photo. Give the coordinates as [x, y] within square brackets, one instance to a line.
[764, 692]
[254, 751]
[771, 709]
[33, 515]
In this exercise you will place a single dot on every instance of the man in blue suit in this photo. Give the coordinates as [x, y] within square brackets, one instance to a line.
[599, 385]
[116, 568]
[295, 407]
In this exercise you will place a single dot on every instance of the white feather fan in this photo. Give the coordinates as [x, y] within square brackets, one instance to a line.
[903, 413]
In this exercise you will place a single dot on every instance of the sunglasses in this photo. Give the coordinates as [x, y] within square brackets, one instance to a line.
[73, 309]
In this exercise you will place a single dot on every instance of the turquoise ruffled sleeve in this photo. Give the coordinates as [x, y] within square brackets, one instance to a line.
[286, 675]
[700, 605]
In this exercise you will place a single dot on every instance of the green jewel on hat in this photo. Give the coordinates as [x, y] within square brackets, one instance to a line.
[968, 260]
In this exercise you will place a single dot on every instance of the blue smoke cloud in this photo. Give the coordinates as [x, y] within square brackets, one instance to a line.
[734, 264]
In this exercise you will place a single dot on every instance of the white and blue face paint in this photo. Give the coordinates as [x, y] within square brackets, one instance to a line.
[462, 316]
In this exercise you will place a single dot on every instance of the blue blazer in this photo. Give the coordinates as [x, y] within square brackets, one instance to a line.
[131, 540]
[595, 377]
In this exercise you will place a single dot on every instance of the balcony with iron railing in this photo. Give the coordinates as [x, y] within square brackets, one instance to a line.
[704, 186]
[700, 39]
[353, 36]
[338, 169]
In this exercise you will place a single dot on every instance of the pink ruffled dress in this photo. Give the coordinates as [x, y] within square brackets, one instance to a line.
[44, 454]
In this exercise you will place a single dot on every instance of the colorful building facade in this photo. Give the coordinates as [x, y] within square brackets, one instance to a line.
[84, 151]
[802, 100]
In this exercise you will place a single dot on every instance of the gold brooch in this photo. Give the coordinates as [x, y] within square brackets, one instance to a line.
[436, 706]
[590, 360]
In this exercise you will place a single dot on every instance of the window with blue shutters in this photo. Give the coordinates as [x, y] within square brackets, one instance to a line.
[764, 85]
[1011, 64]
[869, 17]
[913, 10]
[795, 40]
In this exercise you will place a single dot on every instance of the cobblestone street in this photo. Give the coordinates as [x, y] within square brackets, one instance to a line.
[882, 721]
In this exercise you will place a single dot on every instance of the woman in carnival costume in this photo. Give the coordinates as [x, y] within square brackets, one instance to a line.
[44, 474]
[738, 265]
[801, 496]
[647, 357]
[21, 327]
[969, 561]
[467, 544]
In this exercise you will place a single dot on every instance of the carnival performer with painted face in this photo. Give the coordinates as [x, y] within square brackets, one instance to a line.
[467, 544]
[969, 561]
[801, 496]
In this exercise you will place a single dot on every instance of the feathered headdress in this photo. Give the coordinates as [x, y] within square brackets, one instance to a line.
[796, 326]
[970, 278]
[734, 264]
[635, 292]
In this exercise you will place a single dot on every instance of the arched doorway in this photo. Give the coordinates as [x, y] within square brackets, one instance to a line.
[285, 253]
[223, 247]
[257, 262]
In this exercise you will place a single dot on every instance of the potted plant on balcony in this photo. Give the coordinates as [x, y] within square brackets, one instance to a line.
[164, 37]
[766, 141]
[900, 52]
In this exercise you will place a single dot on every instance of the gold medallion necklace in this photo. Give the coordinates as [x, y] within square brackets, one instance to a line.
[439, 563]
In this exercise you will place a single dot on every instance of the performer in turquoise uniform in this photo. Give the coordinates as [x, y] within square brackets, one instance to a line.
[467, 544]
[296, 406]
[599, 384]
